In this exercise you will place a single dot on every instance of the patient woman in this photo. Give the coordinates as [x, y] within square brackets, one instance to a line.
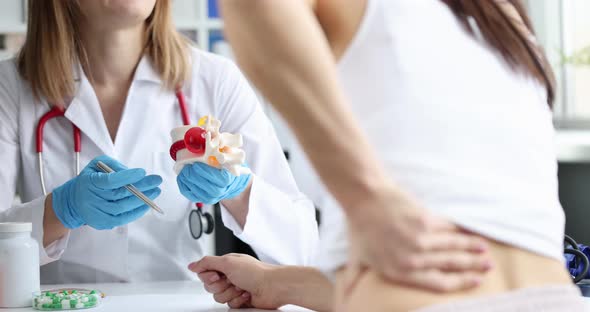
[456, 97]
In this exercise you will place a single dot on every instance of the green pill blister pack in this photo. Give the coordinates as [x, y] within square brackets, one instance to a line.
[67, 299]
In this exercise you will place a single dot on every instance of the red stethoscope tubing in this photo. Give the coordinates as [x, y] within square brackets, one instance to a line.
[59, 111]
[183, 108]
[56, 111]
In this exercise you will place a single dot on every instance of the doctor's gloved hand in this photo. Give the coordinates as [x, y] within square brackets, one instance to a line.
[101, 200]
[201, 183]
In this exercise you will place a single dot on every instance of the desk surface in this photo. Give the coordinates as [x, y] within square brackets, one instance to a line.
[160, 296]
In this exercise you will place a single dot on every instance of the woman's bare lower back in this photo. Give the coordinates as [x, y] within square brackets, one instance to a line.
[513, 269]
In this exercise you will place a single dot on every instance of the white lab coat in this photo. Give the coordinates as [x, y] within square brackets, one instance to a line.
[280, 225]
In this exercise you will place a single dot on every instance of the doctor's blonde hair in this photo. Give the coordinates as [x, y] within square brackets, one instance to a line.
[53, 48]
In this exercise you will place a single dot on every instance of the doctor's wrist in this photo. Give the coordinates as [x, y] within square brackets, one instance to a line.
[53, 229]
[238, 206]
[63, 208]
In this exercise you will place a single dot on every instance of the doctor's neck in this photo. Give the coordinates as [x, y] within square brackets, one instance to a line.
[113, 54]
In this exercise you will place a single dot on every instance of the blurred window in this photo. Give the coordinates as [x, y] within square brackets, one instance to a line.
[563, 28]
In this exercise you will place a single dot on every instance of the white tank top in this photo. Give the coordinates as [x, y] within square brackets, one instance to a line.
[468, 137]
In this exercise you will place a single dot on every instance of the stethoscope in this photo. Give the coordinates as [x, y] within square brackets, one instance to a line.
[199, 222]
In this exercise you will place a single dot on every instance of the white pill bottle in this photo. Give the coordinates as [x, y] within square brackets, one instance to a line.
[19, 265]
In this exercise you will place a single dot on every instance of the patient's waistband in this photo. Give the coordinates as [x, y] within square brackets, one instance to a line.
[556, 298]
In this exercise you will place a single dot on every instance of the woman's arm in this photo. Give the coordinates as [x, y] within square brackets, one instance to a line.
[302, 286]
[294, 68]
[268, 286]
[271, 215]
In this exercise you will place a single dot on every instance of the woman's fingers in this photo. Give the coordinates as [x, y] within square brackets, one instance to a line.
[185, 190]
[134, 201]
[455, 261]
[239, 302]
[148, 183]
[109, 161]
[119, 207]
[424, 233]
[210, 263]
[209, 277]
[455, 241]
[438, 224]
[114, 180]
[218, 287]
[122, 196]
[130, 216]
[450, 251]
[218, 177]
[228, 294]
[109, 221]
[198, 193]
[439, 281]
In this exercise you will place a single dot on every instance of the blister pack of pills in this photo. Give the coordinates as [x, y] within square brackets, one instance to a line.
[67, 299]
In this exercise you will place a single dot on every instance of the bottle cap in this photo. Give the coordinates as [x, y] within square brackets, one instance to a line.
[15, 227]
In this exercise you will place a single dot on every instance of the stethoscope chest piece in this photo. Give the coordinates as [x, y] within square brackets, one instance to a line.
[200, 222]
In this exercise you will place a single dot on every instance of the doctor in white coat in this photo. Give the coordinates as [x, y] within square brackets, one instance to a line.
[114, 65]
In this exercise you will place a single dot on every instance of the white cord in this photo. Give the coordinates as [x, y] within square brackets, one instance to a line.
[40, 160]
[77, 163]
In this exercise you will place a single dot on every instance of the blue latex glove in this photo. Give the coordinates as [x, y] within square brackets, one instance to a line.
[101, 200]
[201, 183]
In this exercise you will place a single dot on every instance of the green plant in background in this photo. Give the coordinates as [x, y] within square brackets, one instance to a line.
[578, 58]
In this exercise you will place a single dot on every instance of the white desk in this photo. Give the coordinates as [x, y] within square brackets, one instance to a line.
[161, 296]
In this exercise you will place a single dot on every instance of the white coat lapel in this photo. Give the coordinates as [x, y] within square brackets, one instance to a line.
[84, 112]
[141, 106]
[145, 71]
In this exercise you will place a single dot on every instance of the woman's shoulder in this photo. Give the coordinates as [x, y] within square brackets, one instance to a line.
[218, 81]
[10, 80]
[8, 70]
[212, 67]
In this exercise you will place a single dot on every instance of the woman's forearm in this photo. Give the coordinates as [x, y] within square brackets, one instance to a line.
[302, 286]
[53, 229]
[295, 70]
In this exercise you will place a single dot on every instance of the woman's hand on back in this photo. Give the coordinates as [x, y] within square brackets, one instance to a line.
[392, 235]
